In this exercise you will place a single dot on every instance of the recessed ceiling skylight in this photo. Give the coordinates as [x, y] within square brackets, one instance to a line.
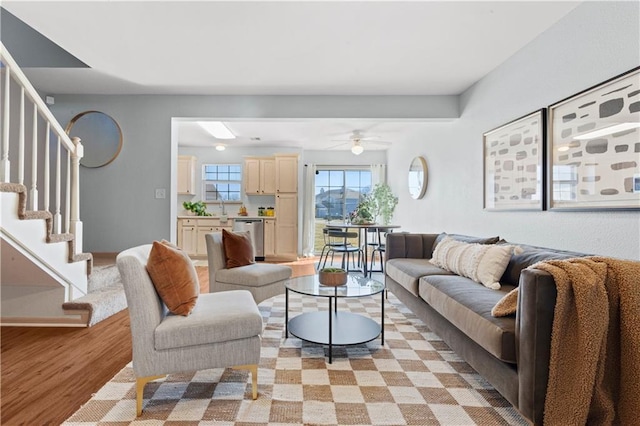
[217, 129]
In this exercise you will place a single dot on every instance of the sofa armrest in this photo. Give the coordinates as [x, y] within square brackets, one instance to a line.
[406, 245]
[534, 320]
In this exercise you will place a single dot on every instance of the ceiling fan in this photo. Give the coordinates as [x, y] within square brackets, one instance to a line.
[356, 139]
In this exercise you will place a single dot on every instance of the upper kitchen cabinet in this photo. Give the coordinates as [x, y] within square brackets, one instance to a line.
[286, 173]
[260, 176]
[186, 174]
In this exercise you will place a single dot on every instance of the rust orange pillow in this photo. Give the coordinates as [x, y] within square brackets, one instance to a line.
[237, 248]
[174, 277]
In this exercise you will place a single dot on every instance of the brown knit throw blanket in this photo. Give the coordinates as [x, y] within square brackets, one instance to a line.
[594, 371]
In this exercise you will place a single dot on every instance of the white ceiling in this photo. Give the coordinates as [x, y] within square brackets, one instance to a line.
[283, 48]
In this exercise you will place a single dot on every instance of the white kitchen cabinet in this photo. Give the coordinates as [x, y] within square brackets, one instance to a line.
[286, 174]
[259, 176]
[186, 174]
[269, 237]
[191, 233]
[286, 241]
[187, 236]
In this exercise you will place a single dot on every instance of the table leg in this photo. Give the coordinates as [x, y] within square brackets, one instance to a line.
[382, 318]
[364, 251]
[286, 313]
[330, 332]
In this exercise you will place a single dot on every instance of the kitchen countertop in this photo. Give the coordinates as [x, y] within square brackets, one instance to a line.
[229, 218]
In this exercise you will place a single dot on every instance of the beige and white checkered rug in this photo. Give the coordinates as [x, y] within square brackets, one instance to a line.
[415, 379]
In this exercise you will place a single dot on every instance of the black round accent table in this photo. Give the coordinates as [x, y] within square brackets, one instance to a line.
[334, 327]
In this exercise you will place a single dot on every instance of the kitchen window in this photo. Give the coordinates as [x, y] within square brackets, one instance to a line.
[222, 182]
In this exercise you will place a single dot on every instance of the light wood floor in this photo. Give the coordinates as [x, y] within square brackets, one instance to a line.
[48, 373]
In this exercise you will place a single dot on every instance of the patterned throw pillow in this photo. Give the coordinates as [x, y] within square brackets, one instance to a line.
[482, 263]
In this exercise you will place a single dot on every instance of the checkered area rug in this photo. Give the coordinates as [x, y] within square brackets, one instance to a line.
[414, 379]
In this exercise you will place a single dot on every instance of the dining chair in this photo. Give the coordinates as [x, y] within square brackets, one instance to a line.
[328, 243]
[339, 243]
[380, 247]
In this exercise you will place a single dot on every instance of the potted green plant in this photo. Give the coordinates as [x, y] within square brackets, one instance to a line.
[332, 276]
[198, 207]
[363, 213]
[382, 202]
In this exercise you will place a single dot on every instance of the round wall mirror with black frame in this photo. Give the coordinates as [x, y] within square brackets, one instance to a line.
[417, 179]
[100, 136]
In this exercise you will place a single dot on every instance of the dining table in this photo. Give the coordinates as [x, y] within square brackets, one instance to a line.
[364, 228]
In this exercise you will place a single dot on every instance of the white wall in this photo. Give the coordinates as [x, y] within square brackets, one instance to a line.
[593, 43]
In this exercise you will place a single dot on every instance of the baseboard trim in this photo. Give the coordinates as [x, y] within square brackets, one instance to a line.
[73, 320]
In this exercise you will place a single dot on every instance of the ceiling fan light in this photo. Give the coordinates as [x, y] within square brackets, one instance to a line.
[357, 149]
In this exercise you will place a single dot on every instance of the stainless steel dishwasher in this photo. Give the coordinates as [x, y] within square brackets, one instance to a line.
[256, 231]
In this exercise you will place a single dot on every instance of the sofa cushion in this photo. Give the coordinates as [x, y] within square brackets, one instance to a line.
[529, 256]
[483, 263]
[217, 317]
[407, 272]
[467, 306]
[465, 239]
[254, 275]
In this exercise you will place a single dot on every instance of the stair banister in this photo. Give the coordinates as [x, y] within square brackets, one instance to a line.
[6, 165]
[21, 139]
[57, 218]
[34, 161]
[74, 150]
[47, 161]
[33, 96]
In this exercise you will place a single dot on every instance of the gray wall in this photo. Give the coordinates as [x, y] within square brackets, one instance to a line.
[593, 43]
[117, 205]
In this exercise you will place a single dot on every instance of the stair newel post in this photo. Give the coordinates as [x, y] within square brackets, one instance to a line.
[6, 165]
[76, 223]
[57, 218]
[34, 160]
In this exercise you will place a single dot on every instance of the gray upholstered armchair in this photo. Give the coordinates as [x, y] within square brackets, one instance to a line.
[263, 280]
[222, 330]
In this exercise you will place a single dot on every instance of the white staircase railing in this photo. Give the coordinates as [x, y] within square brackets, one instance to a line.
[15, 82]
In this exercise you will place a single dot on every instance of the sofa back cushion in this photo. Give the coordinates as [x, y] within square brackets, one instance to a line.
[465, 239]
[529, 256]
[409, 246]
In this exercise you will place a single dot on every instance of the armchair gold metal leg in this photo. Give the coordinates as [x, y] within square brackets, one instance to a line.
[254, 377]
[140, 382]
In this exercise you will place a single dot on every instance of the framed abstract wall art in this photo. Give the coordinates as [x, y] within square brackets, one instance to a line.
[514, 164]
[594, 147]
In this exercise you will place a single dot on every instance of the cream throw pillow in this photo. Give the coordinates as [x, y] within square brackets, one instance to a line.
[481, 262]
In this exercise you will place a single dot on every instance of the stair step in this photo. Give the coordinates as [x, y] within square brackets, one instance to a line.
[36, 214]
[105, 298]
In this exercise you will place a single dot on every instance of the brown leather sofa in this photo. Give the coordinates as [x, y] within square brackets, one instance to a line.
[511, 353]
